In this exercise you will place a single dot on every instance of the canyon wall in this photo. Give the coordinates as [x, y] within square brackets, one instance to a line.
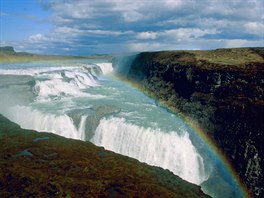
[221, 90]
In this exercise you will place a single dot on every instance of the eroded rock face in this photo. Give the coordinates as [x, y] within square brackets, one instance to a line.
[34, 164]
[94, 115]
[222, 90]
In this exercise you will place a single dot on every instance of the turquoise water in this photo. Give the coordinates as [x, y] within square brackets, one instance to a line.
[60, 97]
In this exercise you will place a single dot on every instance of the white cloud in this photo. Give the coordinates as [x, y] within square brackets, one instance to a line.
[138, 47]
[132, 16]
[187, 33]
[172, 4]
[147, 35]
[104, 32]
[256, 28]
[37, 38]
[98, 26]
[67, 30]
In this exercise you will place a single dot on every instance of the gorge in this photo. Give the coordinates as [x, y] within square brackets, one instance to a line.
[207, 110]
[220, 90]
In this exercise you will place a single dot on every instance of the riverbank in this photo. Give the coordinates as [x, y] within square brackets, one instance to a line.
[47, 165]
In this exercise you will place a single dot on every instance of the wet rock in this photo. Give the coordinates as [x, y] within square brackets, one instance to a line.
[94, 115]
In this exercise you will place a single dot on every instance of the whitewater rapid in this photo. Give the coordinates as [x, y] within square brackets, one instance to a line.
[83, 100]
[167, 150]
[58, 90]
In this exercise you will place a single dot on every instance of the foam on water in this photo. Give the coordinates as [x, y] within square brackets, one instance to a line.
[58, 82]
[32, 71]
[150, 145]
[153, 146]
[106, 68]
[63, 83]
[63, 99]
[82, 127]
[29, 118]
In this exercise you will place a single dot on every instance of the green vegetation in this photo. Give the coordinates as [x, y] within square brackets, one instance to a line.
[42, 164]
[232, 59]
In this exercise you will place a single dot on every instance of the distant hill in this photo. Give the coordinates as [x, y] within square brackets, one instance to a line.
[8, 54]
[7, 50]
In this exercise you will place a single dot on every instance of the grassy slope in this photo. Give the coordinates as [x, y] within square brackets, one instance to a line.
[232, 59]
[34, 164]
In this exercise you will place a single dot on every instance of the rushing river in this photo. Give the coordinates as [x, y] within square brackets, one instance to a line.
[82, 99]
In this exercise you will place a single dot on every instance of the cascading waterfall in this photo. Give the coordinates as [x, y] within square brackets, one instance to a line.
[155, 147]
[106, 67]
[44, 122]
[63, 98]
[81, 128]
[150, 145]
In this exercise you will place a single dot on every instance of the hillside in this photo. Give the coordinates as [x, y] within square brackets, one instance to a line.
[37, 164]
[9, 55]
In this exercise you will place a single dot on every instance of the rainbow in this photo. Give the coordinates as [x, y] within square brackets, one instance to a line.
[218, 153]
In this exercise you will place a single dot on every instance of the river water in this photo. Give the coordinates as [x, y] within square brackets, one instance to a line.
[82, 99]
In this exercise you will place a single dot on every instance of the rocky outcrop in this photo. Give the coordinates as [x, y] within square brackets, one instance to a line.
[96, 113]
[34, 164]
[222, 90]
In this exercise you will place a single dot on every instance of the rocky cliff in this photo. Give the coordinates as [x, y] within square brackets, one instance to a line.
[222, 90]
[34, 164]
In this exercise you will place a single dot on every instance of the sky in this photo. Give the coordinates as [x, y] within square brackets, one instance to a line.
[83, 27]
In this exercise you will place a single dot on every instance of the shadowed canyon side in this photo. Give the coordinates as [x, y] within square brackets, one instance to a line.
[37, 164]
[222, 91]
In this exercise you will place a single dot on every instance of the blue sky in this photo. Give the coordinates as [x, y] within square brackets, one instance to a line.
[114, 26]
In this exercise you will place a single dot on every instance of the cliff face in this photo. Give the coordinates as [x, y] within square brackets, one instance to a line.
[34, 164]
[222, 90]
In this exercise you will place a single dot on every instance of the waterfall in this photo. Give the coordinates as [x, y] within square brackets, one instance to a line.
[153, 146]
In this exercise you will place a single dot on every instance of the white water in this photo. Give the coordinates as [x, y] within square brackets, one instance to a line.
[153, 146]
[141, 130]
[44, 122]
[106, 68]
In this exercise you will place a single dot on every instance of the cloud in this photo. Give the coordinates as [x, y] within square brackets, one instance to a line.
[81, 26]
[147, 35]
[187, 33]
[256, 28]
[37, 38]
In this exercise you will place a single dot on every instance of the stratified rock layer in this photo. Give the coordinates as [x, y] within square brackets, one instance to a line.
[34, 164]
[222, 90]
